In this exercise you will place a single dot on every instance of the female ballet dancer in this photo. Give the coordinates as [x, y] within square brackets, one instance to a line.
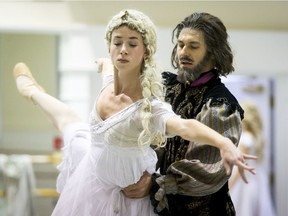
[253, 199]
[114, 150]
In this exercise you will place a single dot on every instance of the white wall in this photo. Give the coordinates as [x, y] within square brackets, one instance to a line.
[22, 123]
[281, 119]
[255, 52]
[260, 53]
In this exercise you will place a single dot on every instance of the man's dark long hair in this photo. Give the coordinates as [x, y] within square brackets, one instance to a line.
[215, 36]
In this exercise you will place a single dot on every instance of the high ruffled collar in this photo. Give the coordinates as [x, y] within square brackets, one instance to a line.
[204, 78]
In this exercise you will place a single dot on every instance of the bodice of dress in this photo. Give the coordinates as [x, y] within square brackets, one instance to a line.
[118, 157]
[121, 129]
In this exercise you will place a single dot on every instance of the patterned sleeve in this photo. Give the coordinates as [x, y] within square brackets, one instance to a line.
[201, 172]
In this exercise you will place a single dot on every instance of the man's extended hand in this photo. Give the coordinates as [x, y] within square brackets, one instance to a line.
[141, 188]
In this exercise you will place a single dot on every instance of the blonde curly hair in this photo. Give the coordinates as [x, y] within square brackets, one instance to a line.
[151, 79]
[252, 123]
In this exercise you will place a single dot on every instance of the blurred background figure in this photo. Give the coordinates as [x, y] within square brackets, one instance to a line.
[254, 198]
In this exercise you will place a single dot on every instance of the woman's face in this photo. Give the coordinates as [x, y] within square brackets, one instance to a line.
[127, 49]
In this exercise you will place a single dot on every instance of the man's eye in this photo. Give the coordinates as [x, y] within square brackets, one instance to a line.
[194, 47]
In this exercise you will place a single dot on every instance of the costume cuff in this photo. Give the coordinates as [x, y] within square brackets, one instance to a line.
[162, 185]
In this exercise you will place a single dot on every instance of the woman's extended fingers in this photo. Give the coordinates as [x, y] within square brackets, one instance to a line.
[249, 168]
[227, 166]
[242, 174]
[241, 163]
[249, 157]
[104, 65]
[242, 166]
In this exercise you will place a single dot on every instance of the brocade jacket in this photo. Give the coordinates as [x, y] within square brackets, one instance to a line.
[193, 180]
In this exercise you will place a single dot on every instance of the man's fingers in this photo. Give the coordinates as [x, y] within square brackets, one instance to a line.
[139, 189]
[133, 193]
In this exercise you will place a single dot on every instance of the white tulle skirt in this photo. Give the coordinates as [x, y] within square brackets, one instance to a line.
[94, 187]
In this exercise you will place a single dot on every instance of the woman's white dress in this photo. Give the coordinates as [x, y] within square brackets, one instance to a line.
[254, 198]
[101, 159]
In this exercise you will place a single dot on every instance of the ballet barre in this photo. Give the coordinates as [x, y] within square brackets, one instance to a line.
[54, 158]
[40, 192]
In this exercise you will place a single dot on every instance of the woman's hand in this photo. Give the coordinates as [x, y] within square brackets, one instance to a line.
[105, 66]
[231, 155]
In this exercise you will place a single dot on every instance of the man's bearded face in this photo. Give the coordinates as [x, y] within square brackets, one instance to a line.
[192, 73]
[193, 57]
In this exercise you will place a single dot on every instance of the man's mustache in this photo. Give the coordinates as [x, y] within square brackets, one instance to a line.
[186, 59]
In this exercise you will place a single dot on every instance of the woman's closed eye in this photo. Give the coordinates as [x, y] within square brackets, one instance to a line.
[132, 44]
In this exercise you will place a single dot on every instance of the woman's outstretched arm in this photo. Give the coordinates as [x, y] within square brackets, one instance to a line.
[193, 130]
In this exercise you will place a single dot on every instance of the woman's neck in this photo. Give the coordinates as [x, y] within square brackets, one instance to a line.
[130, 86]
